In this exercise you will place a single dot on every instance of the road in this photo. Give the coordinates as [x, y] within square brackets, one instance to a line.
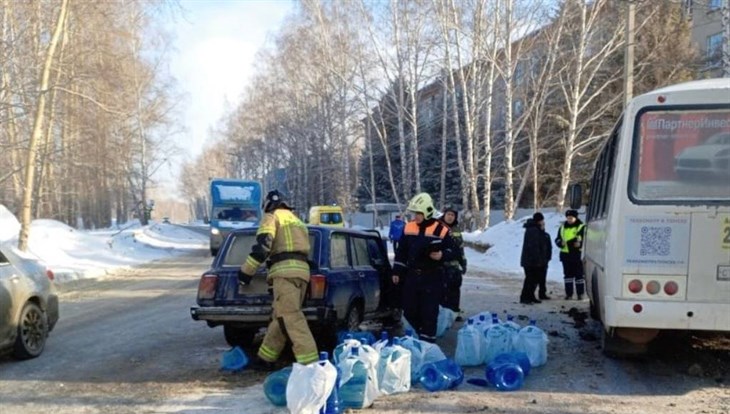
[126, 344]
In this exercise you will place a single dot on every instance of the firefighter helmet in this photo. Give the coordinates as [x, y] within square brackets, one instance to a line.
[423, 204]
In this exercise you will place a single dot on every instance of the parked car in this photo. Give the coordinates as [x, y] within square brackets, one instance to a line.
[28, 304]
[711, 159]
[349, 270]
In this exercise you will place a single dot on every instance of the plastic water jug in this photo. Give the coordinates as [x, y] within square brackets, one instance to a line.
[234, 359]
[520, 358]
[505, 376]
[366, 338]
[394, 369]
[497, 340]
[333, 401]
[532, 341]
[469, 345]
[383, 342]
[443, 375]
[342, 350]
[352, 392]
[275, 386]
[512, 325]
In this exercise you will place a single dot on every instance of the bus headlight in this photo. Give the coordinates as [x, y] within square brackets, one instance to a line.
[214, 231]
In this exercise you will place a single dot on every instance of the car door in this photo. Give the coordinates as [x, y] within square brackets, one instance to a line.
[342, 280]
[367, 274]
[8, 279]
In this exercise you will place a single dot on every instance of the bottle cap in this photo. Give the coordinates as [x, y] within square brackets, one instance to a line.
[323, 356]
[384, 335]
[355, 351]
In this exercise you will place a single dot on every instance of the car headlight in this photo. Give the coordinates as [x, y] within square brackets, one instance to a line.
[214, 231]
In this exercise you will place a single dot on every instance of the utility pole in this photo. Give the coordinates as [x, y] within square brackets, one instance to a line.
[726, 38]
[629, 54]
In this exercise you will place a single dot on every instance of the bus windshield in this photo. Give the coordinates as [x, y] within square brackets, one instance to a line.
[682, 155]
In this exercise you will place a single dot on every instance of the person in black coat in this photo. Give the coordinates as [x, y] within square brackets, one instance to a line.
[536, 253]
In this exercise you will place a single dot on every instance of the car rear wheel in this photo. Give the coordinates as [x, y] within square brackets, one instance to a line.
[32, 332]
[354, 317]
[236, 336]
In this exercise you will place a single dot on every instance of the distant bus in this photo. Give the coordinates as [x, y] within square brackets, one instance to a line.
[235, 204]
[657, 246]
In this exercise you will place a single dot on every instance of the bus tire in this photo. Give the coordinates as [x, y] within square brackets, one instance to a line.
[595, 308]
[613, 346]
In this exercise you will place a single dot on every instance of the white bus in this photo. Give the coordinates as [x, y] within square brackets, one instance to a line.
[657, 245]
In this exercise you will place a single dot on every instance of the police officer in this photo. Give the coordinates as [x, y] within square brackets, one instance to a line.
[425, 246]
[453, 269]
[570, 242]
[282, 241]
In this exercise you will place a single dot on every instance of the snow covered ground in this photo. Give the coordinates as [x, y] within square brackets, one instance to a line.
[505, 239]
[73, 254]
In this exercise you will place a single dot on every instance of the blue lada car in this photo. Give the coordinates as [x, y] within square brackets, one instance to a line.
[350, 283]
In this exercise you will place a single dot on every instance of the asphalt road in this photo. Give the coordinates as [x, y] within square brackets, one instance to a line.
[121, 344]
[126, 344]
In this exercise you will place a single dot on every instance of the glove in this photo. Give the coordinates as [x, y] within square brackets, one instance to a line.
[463, 270]
[559, 243]
[243, 278]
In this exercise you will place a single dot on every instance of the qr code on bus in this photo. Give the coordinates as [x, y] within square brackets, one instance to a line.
[655, 241]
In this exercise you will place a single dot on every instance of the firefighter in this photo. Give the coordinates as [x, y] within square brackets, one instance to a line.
[425, 246]
[570, 242]
[282, 241]
[454, 269]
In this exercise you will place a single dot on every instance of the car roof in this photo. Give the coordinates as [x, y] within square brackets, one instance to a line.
[321, 229]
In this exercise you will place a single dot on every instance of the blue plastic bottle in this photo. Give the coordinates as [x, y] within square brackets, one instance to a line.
[505, 376]
[333, 401]
[520, 358]
[234, 360]
[275, 386]
[442, 375]
[352, 393]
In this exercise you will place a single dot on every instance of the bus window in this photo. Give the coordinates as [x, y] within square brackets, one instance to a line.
[681, 155]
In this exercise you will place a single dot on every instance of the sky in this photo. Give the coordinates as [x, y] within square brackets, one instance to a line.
[215, 47]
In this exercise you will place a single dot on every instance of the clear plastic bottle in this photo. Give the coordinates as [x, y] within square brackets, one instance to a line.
[394, 369]
[442, 375]
[275, 386]
[469, 345]
[352, 392]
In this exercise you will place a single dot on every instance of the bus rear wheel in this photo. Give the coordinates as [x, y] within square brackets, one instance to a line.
[626, 343]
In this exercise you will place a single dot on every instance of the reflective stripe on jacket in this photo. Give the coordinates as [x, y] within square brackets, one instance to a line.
[280, 232]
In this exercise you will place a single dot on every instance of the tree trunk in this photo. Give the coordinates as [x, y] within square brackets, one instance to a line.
[38, 129]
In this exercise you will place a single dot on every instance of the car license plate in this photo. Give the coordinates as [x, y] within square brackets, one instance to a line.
[723, 273]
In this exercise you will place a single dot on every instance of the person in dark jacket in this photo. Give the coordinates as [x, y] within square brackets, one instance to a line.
[454, 269]
[425, 246]
[570, 242]
[536, 252]
[396, 231]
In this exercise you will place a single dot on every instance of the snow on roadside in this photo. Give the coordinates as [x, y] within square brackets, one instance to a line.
[74, 254]
[505, 239]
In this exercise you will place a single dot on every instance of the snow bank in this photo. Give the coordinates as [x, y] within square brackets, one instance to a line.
[74, 254]
[505, 239]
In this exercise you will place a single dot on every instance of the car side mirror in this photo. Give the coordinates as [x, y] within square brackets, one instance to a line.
[576, 196]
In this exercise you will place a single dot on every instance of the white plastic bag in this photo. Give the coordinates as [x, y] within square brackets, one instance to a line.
[394, 370]
[431, 353]
[445, 320]
[309, 386]
[532, 341]
[497, 340]
[414, 345]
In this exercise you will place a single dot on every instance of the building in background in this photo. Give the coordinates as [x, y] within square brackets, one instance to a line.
[710, 34]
